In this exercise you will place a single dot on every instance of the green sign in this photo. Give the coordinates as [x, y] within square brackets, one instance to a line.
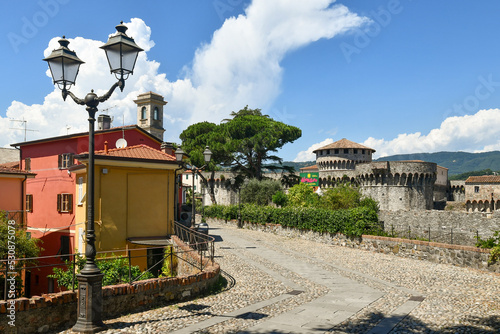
[311, 179]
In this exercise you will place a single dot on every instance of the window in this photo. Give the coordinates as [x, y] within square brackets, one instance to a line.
[476, 189]
[187, 177]
[155, 114]
[362, 151]
[346, 151]
[64, 249]
[327, 151]
[336, 151]
[64, 202]
[65, 160]
[27, 164]
[80, 191]
[143, 113]
[355, 151]
[29, 203]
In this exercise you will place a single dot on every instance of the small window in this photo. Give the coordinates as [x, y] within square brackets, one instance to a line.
[27, 164]
[50, 287]
[362, 151]
[187, 177]
[156, 115]
[64, 202]
[65, 161]
[29, 203]
[355, 151]
[476, 189]
[143, 113]
[346, 151]
[64, 249]
[327, 151]
[336, 151]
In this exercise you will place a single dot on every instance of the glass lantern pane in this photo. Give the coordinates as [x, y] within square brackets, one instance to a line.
[71, 71]
[113, 54]
[56, 68]
[128, 59]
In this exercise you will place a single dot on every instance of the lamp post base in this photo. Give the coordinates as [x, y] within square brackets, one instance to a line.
[89, 304]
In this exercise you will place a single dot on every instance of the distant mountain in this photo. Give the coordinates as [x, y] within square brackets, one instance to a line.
[456, 162]
[297, 165]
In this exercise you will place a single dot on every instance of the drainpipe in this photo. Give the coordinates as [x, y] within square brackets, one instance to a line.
[176, 194]
[23, 201]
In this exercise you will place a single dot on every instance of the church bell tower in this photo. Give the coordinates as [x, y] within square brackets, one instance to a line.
[150, 113]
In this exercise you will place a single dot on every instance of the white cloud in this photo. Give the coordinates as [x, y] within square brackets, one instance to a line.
[308, 154]
[240, 66]
[472, 133]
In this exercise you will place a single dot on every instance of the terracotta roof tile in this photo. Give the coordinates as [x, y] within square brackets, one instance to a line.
[9, 170]
[313, 167]
[483, 179]
[13, 164]
[344, 143]
[136, 152]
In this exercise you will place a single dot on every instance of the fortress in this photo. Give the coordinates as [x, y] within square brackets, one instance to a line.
[395, 185]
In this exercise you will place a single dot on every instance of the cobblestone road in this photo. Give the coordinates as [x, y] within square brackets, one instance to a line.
[407, 296]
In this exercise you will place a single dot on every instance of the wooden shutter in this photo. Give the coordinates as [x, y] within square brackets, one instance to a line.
[59, 200]
[70, 202]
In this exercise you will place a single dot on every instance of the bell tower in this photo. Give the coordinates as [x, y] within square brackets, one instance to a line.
[150, 113]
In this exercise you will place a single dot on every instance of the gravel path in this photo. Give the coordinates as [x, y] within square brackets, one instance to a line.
[453, 299]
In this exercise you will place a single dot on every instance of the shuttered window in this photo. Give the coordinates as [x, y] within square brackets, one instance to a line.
[64, 202]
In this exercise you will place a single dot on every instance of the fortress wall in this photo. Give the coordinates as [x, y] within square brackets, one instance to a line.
[445, 226]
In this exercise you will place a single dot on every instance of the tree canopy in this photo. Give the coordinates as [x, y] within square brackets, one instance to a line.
[247, 143]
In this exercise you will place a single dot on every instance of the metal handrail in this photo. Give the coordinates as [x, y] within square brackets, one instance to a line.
[198, 242]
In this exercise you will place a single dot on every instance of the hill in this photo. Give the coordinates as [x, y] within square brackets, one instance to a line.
[456, 162]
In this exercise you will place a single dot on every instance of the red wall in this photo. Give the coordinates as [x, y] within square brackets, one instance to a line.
[45, 222]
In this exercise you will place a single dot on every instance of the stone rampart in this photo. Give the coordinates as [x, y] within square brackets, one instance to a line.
[57, 310]
[453, 227]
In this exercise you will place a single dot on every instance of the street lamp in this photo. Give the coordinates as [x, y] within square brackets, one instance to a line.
[64, 64]
[207, 155]
[233, 183]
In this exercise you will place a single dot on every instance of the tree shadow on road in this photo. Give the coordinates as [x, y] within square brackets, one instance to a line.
[409, 324]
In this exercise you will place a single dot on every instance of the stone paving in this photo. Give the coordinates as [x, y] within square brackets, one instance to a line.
[291, 285]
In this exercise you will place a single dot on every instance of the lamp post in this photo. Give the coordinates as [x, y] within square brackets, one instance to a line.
[121, 52]
[207, 155]
[233, 183]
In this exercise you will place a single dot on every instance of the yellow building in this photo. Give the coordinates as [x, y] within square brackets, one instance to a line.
[134, 200]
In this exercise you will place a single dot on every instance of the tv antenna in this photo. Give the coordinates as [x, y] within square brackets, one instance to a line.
[25, 124]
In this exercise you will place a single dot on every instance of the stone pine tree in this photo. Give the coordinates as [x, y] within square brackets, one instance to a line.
[247, 143]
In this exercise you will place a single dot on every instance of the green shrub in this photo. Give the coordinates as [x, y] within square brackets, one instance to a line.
[115, 271]
[351, 222]
[280, 198]
[492, 243]
[170, 263]
[302, 195]
[259, 192]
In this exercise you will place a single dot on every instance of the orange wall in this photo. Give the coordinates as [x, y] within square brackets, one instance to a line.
[10, 193]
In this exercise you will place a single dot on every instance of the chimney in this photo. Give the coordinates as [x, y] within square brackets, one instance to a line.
[103, 122]
[106, 147]
[167, 148]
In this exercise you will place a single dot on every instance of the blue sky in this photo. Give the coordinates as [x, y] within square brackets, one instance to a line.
[399, 76]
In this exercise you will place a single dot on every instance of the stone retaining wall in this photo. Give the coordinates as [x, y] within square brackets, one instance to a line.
[465, 256]
[52, 311]
[445, 226]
